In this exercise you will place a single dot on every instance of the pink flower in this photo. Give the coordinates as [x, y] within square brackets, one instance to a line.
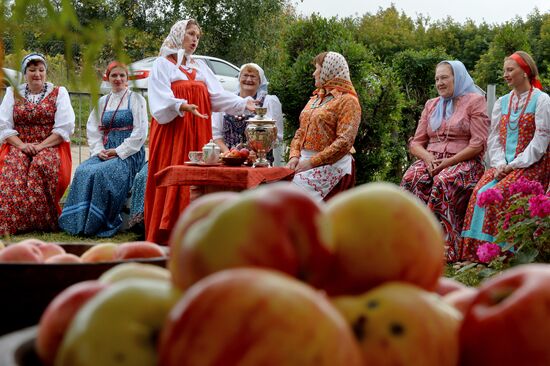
[486, 252]
[539, 205]
[489, 197]
[506, 223]
[526, 187]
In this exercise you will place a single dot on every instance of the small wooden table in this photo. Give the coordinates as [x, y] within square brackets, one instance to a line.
[208, 179]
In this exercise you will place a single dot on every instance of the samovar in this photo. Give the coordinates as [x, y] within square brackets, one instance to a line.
[261, 134]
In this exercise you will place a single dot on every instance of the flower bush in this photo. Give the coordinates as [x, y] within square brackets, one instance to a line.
[524, 226]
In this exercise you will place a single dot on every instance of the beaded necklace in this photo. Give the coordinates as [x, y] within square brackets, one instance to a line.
[40, 97]
[116, 110]
[508, 119]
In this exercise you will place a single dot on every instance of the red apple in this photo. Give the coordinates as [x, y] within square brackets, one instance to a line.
[58, 316]
[21, 253]
[251, 317]
[244, 152]
[508, 322]
[401, 324]
[382, 233]
[447, 285]
[64, 258]
[139, 250]
[461, 299]
[276, 226]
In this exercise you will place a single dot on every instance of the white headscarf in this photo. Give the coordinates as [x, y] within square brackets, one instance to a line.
[334, 66]
[173, 44]
[262, 88]
[32, 57]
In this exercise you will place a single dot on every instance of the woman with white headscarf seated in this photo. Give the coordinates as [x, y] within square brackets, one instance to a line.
[320, 150]
[449, 143]
[228, 129]
[182, 92]
[36, 122]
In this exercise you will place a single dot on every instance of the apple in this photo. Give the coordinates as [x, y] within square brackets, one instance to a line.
[461, 299]
[138, 250]
[401, 324]
[119, 325]
[252, 316]
[447, 285]
[21, 253]
[64, 258]
[244, 152]
[134, 270]
[50, 249]
[103, 252]
[58, 315]
[276, 226]
[197, 210]
[382, 233]
[508, 322]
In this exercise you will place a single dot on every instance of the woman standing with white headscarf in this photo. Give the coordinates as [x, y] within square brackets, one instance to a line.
[182, 94]
[320, 149]
[35, 160]
[227, 129]
[449, 143]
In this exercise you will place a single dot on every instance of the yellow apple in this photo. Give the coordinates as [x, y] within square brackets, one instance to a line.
[134, 270]
[382, 233]
[401, 324]
[118, 326]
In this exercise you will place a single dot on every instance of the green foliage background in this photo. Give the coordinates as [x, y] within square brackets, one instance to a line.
[392, 56]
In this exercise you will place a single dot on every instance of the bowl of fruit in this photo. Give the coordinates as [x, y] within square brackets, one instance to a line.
[235, 156]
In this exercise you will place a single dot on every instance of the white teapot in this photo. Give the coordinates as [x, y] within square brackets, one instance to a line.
[211, 153]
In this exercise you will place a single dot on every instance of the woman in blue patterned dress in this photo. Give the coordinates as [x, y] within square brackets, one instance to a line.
[101, 184]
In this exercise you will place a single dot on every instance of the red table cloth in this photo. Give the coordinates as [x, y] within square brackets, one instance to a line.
[226, 176]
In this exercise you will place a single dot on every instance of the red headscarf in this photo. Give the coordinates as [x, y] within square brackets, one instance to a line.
[114, 64]
[525, 67]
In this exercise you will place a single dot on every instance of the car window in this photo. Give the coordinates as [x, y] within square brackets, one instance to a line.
[223, 69]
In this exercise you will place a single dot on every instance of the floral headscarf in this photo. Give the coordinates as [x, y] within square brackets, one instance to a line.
[335, 75]
[173, 44]
[262, 88]
[463, 84]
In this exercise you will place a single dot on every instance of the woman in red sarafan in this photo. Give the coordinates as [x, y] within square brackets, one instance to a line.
[36, 122]
[518, 147]
[182, 92]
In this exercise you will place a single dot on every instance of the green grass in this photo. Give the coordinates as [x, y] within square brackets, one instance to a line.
[62, 237]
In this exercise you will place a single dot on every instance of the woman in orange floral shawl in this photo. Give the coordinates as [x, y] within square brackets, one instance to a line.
[320, 149]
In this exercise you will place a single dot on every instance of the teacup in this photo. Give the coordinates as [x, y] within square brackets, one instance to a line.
[195, 156]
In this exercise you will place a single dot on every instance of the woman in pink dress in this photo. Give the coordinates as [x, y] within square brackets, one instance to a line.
[36, 123]
[449, 143]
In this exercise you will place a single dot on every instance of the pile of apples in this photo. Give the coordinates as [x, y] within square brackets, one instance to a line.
[271, 277]
[236, 152]
[38, 251]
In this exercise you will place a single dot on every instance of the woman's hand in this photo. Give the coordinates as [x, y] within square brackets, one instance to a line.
[251, 104]
[107, 154]
[303, 165]
[29, 149]
[192, 108]
[502, 171]
[292, 163]
[438, 165]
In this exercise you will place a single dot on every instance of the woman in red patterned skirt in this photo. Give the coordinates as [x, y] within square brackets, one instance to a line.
[449, 143]
[35, 158]
[518, 147]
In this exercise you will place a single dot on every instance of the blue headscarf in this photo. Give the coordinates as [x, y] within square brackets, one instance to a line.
[463, 84]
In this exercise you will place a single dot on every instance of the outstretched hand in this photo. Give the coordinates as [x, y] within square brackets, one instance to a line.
[193, 109]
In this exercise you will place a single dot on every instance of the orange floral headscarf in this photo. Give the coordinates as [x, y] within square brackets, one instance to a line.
[335, 75]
